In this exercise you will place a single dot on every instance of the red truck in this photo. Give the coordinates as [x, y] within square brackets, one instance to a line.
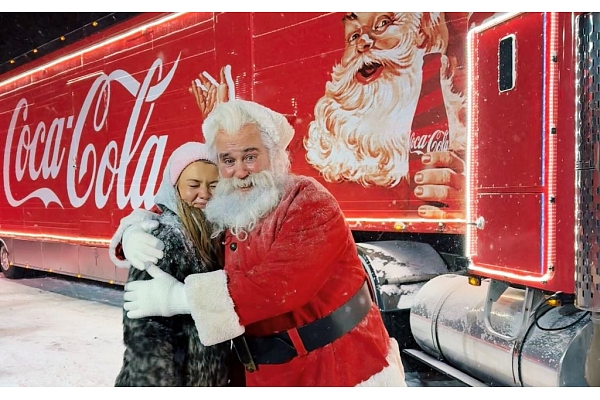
[462, 148]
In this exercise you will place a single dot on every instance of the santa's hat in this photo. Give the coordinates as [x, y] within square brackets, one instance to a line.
[186, 154]
[232, 115]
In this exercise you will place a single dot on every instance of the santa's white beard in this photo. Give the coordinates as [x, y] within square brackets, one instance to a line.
[240, 211]
[361, 132]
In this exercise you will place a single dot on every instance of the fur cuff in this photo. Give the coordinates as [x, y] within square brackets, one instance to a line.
[212, 307]
[393, 374]
[115, 252]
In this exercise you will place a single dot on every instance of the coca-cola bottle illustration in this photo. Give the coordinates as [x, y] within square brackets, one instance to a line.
[437, 128]
[422, 143]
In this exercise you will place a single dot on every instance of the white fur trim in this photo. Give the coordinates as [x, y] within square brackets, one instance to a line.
[212, 307]
[135, 217]
[393, 374]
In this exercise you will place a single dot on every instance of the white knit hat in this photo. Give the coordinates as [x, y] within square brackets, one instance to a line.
[181, 157]
[186, 154]
[233, 114]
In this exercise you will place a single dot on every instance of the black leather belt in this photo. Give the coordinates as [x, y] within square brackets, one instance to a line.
[279, 348]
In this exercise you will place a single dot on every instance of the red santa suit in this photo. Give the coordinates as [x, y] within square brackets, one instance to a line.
[298, 265]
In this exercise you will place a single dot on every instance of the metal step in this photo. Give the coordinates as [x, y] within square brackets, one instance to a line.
[444, 368]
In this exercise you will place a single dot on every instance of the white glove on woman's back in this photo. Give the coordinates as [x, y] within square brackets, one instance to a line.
[133, 241]
[163, 296]
[140, 248]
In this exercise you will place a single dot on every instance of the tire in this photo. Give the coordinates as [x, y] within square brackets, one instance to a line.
[10, 271]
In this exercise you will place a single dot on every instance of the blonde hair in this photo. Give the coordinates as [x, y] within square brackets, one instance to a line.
[199, 232]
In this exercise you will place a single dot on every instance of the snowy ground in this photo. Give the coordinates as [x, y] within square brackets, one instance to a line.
[56, 332]
[62, 332]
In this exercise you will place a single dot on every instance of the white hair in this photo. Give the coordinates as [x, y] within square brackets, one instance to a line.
[275, 132]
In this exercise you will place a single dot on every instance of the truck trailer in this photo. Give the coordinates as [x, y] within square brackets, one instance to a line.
[462, 148]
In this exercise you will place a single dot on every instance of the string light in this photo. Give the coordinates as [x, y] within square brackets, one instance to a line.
[62, 38]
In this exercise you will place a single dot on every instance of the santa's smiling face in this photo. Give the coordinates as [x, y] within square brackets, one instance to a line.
[241, 154]
[250, 186]
[362, 123]
[368, 32]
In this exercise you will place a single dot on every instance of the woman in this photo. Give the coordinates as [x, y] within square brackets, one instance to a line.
[166, 351]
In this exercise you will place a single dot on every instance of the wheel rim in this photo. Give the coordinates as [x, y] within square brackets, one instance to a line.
[4, 259]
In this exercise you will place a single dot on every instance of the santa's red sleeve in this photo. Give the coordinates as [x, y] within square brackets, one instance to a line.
[312, 236]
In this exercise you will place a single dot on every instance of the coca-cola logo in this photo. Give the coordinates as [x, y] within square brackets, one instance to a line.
[426, 143]
[109, 166]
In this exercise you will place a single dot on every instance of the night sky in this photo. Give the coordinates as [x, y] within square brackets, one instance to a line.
[20, 33]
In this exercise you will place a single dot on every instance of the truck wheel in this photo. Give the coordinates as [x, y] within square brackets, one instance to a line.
[10, 271]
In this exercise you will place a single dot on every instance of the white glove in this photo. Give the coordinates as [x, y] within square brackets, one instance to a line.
[163, 296]
[140, 248]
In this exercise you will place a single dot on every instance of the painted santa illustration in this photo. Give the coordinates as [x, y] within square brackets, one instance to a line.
[374, 125]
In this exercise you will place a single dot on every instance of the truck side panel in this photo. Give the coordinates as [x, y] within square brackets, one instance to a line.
[88, 128]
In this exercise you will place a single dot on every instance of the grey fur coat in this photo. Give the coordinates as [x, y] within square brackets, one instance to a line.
[161, 351]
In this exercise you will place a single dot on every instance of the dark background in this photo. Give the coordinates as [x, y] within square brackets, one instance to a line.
[21, 33]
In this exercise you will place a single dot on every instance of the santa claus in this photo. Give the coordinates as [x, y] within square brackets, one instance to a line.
[362, 126]
[293, 293]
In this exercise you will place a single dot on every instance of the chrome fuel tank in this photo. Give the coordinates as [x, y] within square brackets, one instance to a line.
[448, 322]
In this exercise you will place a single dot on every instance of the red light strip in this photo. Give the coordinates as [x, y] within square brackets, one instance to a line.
[551, 137]
[56, 238]
[552, 81]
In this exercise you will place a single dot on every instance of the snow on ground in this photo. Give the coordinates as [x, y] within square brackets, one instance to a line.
[48, 339]
[58, 332]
